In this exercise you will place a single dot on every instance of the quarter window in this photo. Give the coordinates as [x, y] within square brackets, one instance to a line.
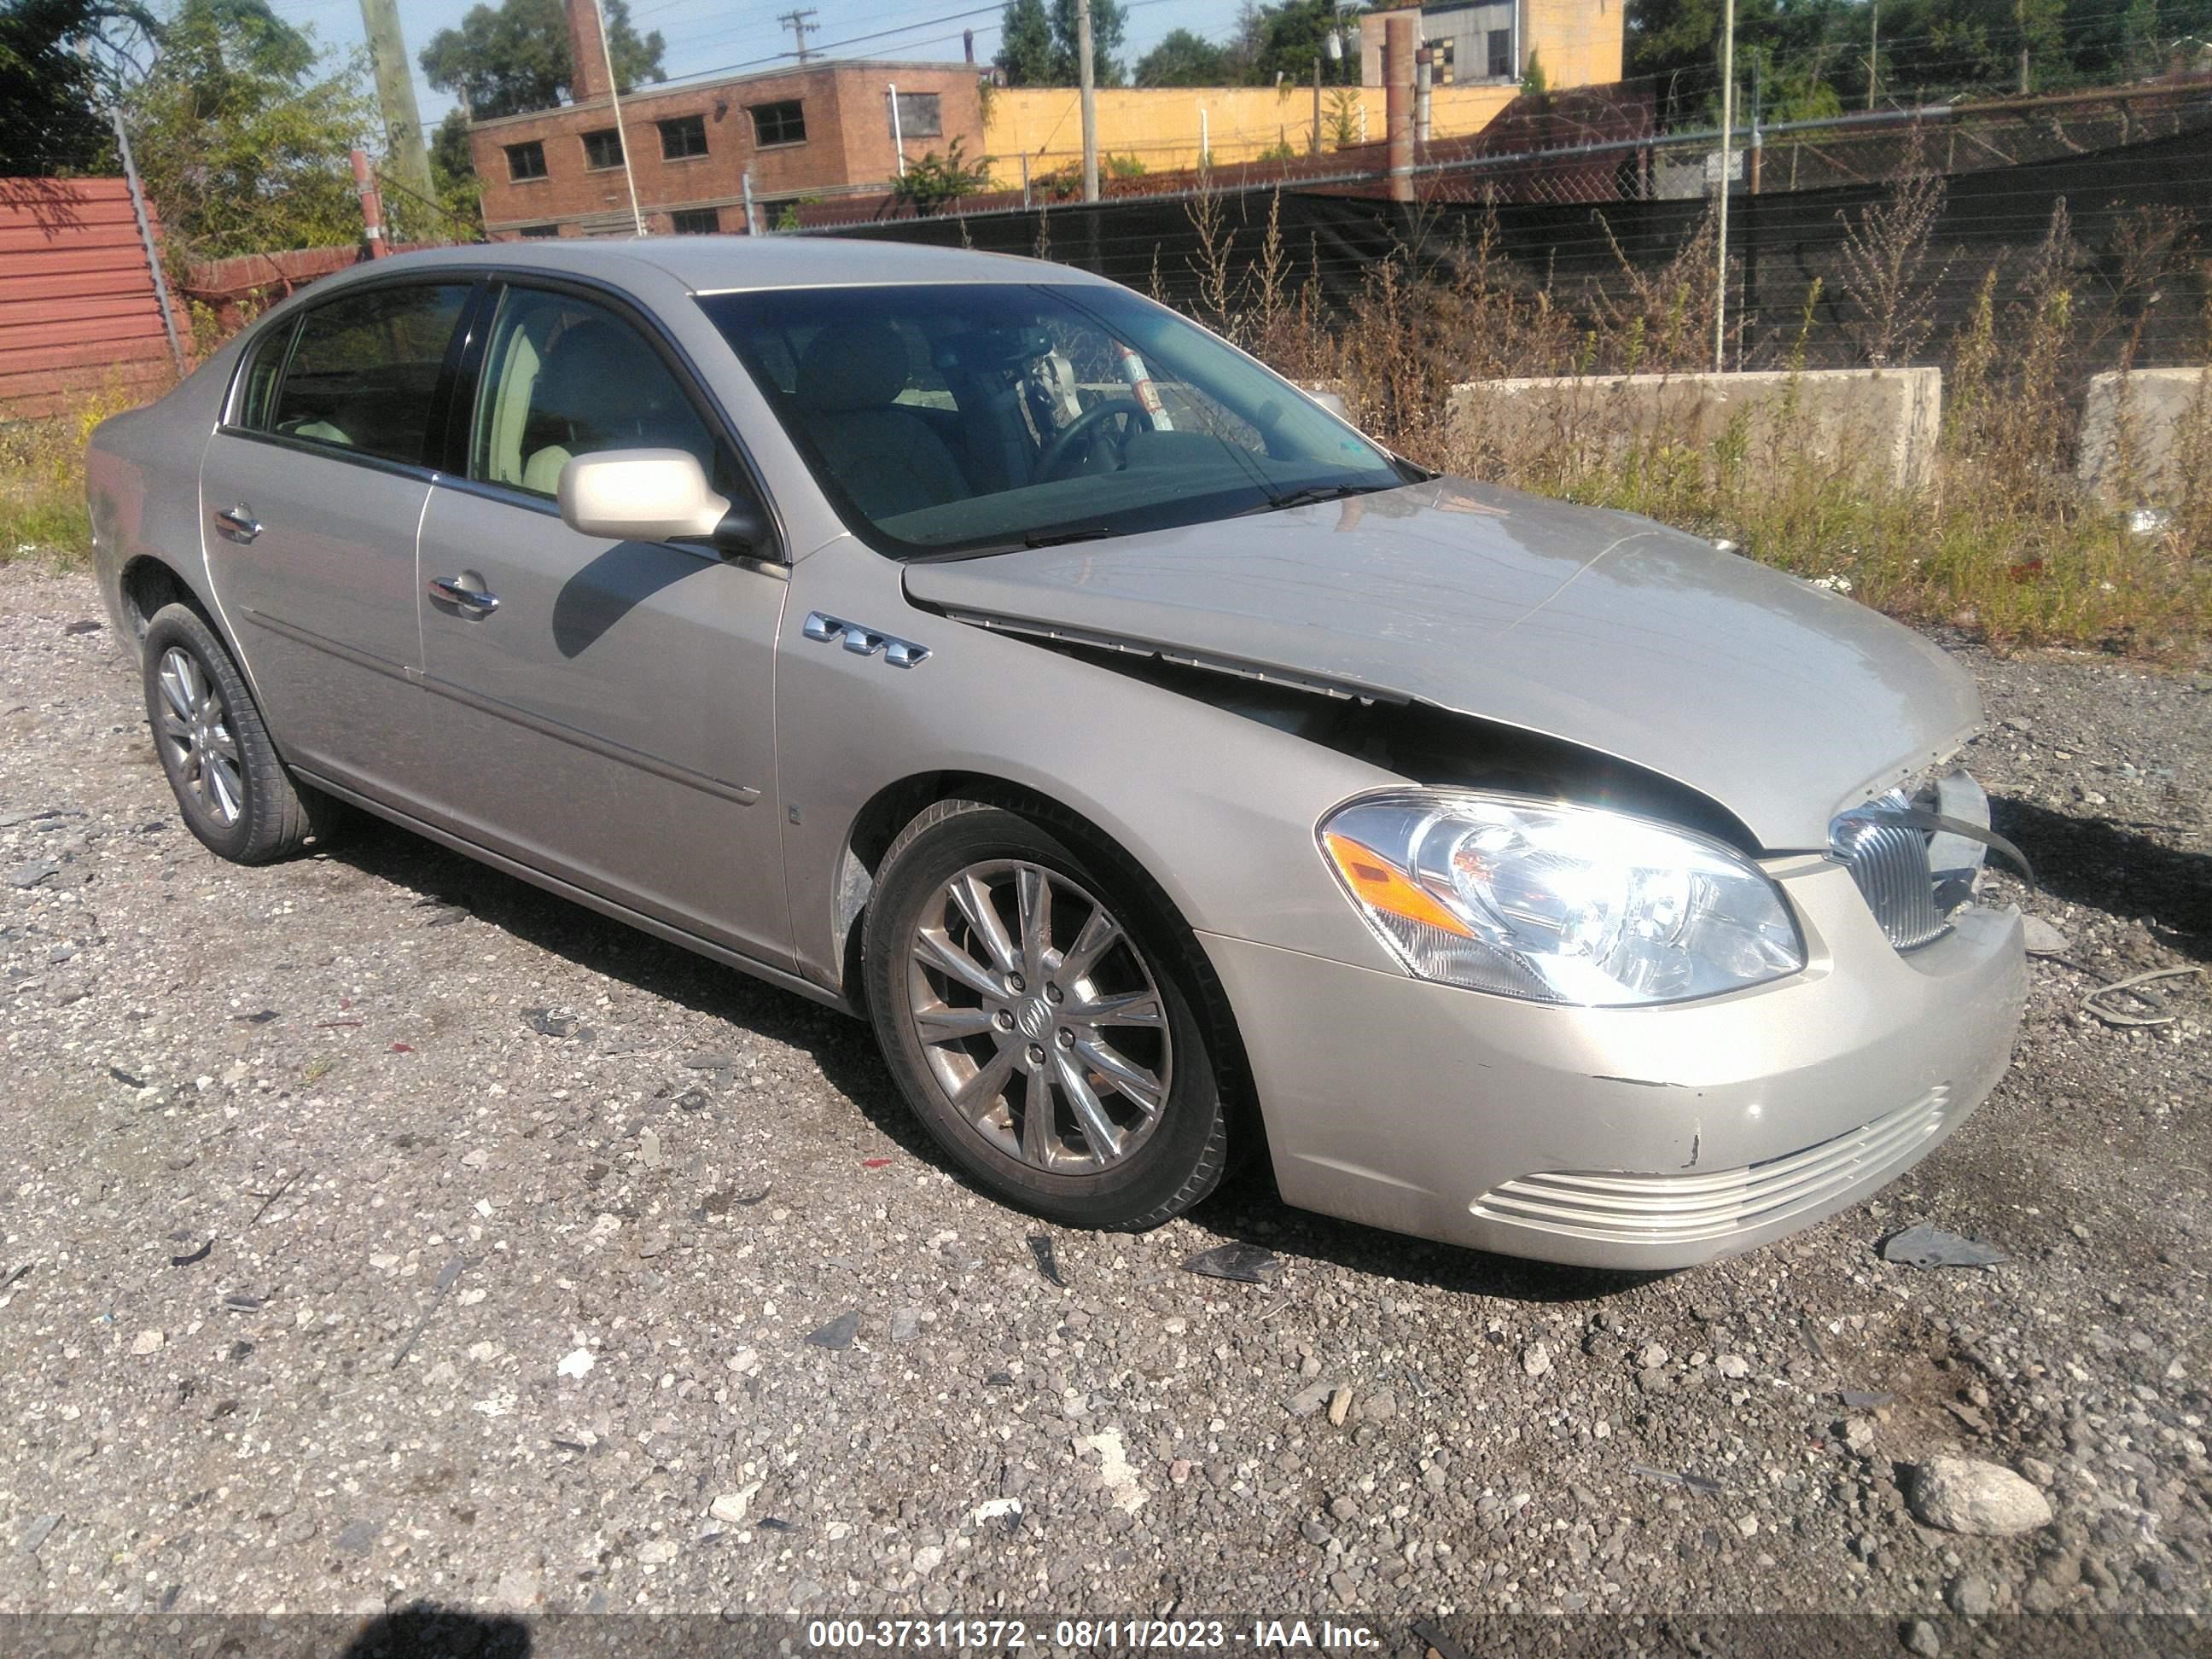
[525, 161]
[362, 376]
[603, 149]
[695, 222]
[779, 124]
[684, 135]
[564, 377]
[257, 400]
[921, 115]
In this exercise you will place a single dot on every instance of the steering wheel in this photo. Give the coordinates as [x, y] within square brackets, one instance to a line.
[1064, 440]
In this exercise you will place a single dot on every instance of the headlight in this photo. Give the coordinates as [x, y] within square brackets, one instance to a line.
[1558, 903]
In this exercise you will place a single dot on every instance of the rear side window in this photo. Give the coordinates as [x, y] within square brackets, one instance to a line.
[363, 369]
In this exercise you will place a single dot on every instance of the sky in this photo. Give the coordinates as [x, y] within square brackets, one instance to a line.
[711, 36]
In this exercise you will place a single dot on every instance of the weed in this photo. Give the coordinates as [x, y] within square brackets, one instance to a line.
[1998, 538]
[42, 509]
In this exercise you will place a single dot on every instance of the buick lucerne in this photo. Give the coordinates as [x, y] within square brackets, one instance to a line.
[1166, 770]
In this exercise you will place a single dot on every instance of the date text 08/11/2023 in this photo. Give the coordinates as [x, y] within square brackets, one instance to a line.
[1170, 1634]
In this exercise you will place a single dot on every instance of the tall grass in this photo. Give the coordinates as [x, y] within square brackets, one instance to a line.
[42, 507]
[1998, 538]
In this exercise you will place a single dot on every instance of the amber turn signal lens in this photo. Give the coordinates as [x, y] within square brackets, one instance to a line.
[1379, 886]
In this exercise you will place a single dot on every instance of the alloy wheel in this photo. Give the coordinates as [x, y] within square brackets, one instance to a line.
[195, 732]
[1039, 1018]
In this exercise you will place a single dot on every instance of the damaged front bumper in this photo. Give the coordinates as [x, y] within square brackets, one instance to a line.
[1631, 1137]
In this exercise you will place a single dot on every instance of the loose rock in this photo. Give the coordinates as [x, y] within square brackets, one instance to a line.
[1963, 1495]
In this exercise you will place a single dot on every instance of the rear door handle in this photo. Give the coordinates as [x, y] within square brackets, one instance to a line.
[237, 524]
[455, 591]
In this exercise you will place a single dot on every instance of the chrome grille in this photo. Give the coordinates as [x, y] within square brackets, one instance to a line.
[1681, 1208]
[1889, 861]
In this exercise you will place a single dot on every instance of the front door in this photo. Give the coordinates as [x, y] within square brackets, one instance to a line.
[310, 495]
[605, 705]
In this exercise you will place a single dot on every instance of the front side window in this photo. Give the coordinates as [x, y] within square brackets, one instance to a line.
[695, 222]
[684, 135]
[525, 161]
[783, 122]
[565, 377]
[363, 370]
[603, 149]
[950, 421]
[920, 115]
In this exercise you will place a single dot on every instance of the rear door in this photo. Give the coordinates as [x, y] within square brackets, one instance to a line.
[606, 705]
[311, 492]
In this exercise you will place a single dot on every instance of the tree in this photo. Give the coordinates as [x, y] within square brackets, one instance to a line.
[1290, 37]
[1025, 43]
[1037, 43]
[1108, 24]
[54, 92]
[1184, 59]
[241, 129]
[516, 58]
[935, 180]
[453, 173]
[1809, 56]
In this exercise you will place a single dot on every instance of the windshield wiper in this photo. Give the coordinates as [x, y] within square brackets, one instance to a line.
[1309, 494]
[1061, 538]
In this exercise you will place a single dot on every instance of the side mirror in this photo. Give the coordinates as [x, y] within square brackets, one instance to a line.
[639, 496]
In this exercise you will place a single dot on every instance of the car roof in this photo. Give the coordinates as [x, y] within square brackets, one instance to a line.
[708, 264]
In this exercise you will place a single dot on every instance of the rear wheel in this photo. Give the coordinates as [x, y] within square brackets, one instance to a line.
[235, 794]
[1035, 1004]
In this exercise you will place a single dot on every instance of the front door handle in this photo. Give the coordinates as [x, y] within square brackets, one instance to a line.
[452, 590]
[237, 524]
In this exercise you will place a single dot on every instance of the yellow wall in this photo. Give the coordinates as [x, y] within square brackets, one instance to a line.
[1577, 42]
[1160, 126]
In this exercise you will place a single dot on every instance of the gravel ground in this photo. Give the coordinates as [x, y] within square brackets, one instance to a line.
[380, 1228]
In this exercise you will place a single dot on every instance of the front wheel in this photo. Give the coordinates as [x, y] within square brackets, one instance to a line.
[1035, 1003]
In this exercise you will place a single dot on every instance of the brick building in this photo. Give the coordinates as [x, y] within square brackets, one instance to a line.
[800, 132]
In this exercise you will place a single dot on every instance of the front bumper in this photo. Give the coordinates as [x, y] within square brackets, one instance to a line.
[1635, 1138]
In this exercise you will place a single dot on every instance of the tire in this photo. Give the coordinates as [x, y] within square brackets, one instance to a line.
[234, 793]
[944, 1025]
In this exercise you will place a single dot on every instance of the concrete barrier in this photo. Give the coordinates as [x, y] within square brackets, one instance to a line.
[1888, 419]
[2132, 428]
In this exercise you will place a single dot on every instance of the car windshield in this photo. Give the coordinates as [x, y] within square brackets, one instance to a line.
[949, 421]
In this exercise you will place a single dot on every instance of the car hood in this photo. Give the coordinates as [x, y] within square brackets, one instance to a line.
[1780, 700]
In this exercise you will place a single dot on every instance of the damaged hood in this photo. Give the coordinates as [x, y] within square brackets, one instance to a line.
[1779, 701]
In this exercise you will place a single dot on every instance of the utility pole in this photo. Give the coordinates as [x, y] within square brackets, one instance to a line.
[1727, 135]
[2020, 20]
[1090, 95]
[405, 159]
[1316, 125]
[801, 27]
[1873, 51]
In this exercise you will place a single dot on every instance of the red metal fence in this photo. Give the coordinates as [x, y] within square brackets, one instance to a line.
[77, 303]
